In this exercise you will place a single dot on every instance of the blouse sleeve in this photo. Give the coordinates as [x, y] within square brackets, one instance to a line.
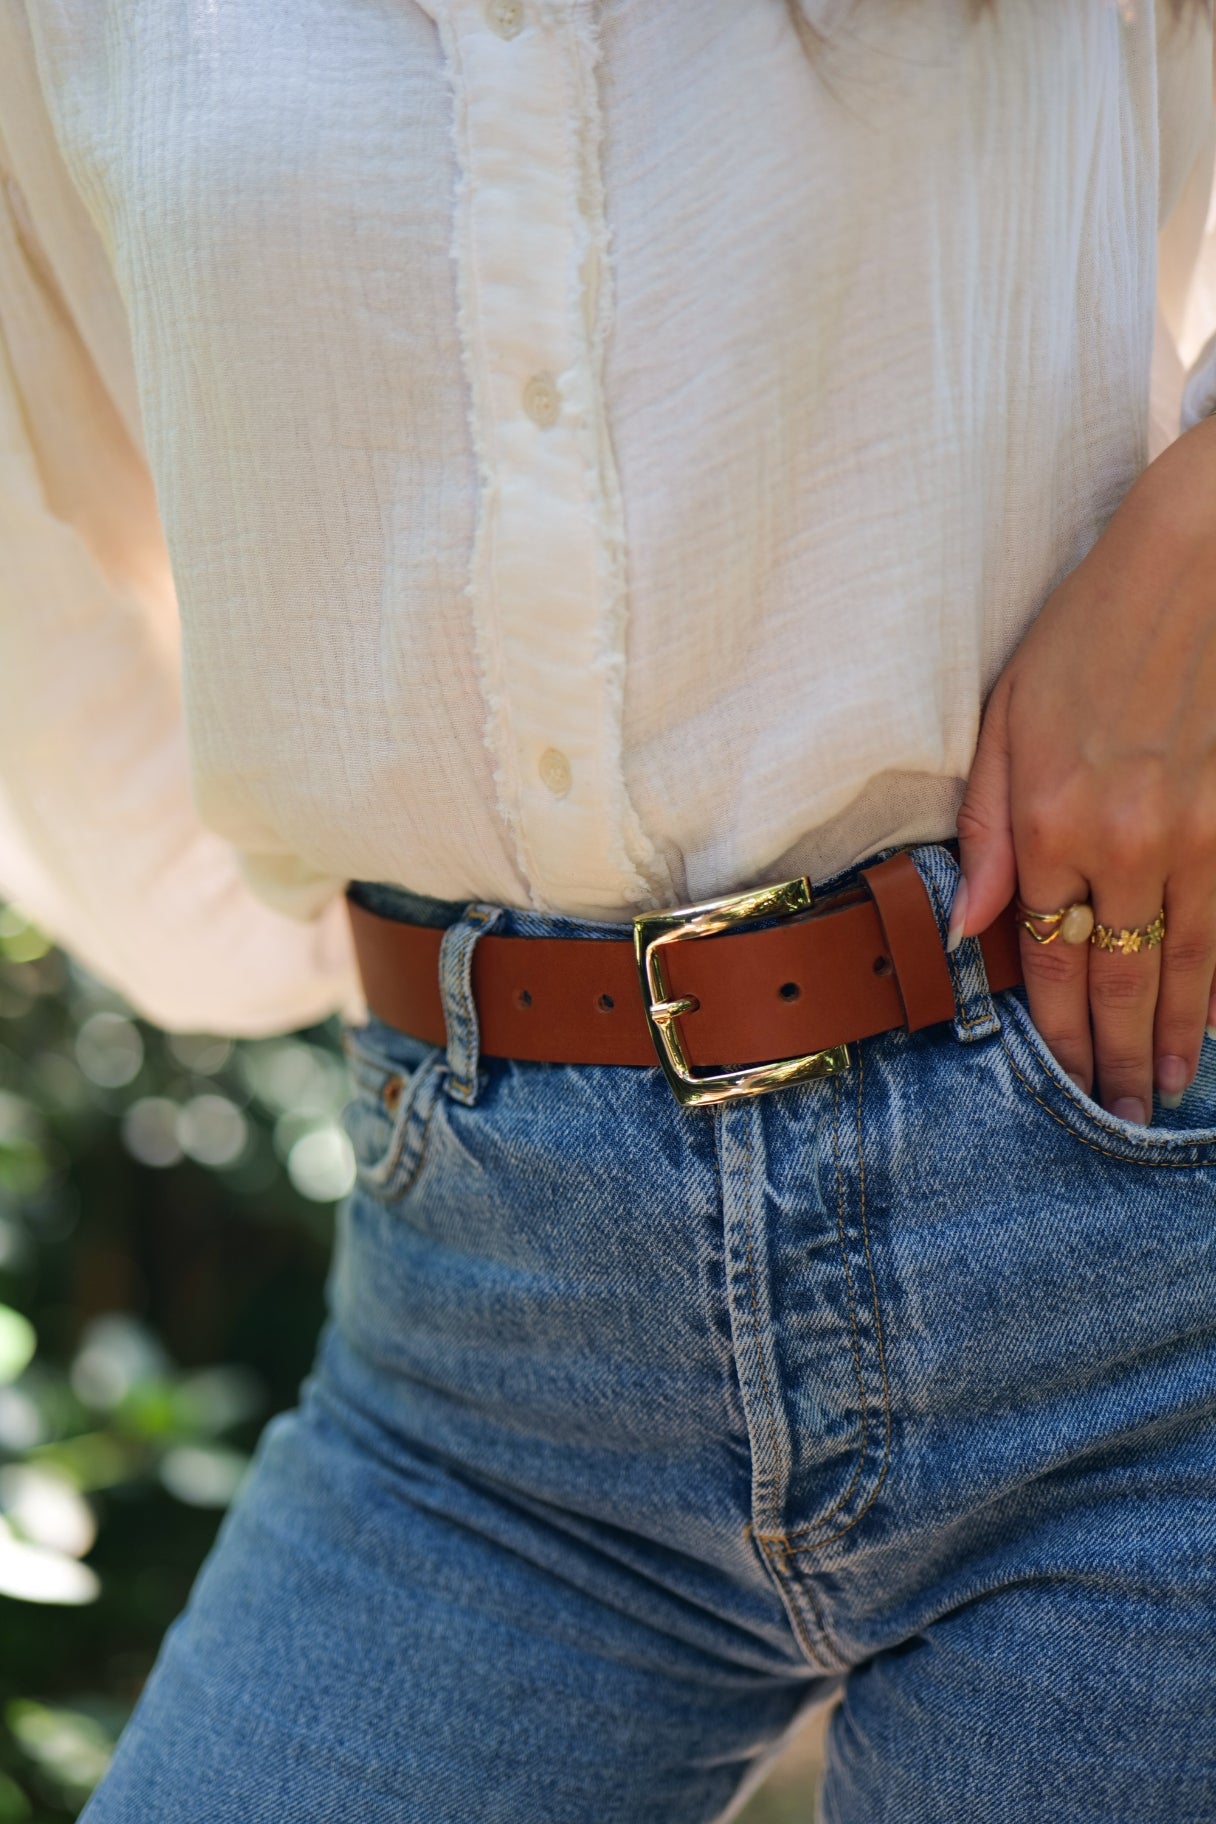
[1185, 363]
[100, 839]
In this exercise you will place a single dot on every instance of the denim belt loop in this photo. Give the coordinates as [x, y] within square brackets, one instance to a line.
[462, 1079]
[975, 1014]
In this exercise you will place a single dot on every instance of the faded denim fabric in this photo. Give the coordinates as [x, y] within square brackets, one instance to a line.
[635, 1430]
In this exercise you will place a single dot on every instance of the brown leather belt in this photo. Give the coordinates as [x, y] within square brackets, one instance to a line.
[723, 1000]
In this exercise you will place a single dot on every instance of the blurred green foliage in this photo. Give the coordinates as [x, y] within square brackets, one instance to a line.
[166, 1208]
[165, 1218]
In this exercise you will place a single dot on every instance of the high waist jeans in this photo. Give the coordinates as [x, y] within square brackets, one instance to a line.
[635, 1430]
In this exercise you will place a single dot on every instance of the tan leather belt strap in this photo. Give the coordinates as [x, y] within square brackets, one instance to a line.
[912, 940]
[856, 966]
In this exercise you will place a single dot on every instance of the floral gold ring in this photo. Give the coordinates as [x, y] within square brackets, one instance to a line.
[1127, 941]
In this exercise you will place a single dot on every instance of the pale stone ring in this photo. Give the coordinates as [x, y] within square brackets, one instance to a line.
[1076, 924]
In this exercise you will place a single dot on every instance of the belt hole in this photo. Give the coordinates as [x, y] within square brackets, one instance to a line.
[789, 991]
[882, 965]
[605, 1003]
[523, 998]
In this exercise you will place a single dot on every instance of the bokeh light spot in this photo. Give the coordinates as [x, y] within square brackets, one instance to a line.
[321, 1165]
[109, 1050]
[149, 1131]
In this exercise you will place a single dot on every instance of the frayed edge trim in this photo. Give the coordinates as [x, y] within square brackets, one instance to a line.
[651, 880]
[497, 729]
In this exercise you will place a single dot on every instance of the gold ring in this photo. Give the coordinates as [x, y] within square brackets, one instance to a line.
[1126, 942]
[1074, 923]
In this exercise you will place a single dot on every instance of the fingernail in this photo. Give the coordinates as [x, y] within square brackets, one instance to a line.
[1172, 1078]
[1211, 1031]
[1129, 1108]
[958, 914]
[1079, 1081]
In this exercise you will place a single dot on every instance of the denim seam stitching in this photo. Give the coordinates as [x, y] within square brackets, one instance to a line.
[1149, 1139]
[823, 1655]
[779, 1468]
[761, 1540]
[841, 1500]
[797, 1621]
[1128, 1158]
[864, 1421]
[386, 1165]
[422, 1139]
[390, 1189]
[798, 1532]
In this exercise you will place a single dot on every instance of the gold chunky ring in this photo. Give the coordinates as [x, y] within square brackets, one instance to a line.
[1073, 923]
[1140, 937]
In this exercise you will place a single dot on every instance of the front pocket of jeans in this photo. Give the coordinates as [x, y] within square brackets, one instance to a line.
[396, 1080]
[1186, 1136]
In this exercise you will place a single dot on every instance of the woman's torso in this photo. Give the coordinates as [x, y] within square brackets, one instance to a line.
[607, 451]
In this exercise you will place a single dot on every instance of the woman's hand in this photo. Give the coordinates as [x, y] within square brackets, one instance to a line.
[1095, 778]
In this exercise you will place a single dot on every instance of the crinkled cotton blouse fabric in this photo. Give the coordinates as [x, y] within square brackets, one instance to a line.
[575, 456]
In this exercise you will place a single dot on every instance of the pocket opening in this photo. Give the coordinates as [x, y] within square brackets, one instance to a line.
[396, 1081]
[1175, 1140]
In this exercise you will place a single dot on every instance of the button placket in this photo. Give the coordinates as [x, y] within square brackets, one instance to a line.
[547, 582]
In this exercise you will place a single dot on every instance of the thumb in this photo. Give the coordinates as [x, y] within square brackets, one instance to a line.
[985, 834]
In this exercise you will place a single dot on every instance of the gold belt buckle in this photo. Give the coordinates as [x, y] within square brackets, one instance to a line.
[653, 930]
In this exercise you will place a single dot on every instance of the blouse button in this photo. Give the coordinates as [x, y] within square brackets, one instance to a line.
[554, 770]
[541, 401]
[506, 17]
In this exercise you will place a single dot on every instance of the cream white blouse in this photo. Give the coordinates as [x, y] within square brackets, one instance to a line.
[589, 454]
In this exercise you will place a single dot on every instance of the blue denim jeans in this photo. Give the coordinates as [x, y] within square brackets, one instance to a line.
[634, 1431]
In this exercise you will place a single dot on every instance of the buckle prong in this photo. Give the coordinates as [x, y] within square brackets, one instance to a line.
[664, 1012]
[652, 931]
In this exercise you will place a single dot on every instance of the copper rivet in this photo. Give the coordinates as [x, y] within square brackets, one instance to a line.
[391, 1092]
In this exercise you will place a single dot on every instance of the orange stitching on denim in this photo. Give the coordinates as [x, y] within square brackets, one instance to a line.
[376, 1179]
[797, 1620]
[1169, 1165]
[817, 1525]
[1148, 1140]
[778, 1466]
[424, 1144]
